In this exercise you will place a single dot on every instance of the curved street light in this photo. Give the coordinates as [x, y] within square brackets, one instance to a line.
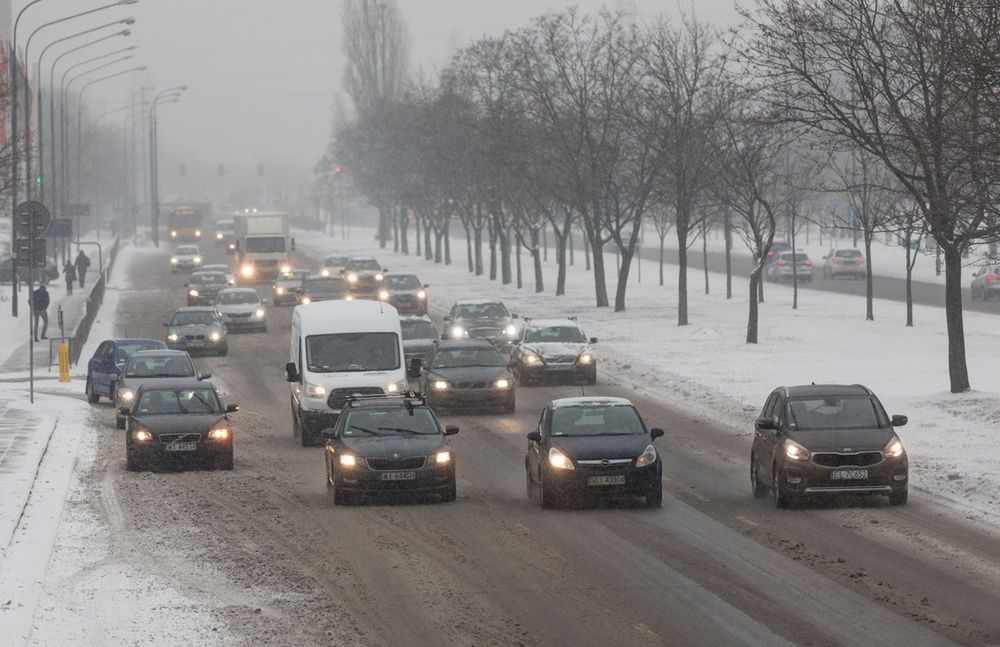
[170, 95]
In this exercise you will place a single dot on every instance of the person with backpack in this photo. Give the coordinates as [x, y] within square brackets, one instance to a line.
[70, 273]
[82, 265]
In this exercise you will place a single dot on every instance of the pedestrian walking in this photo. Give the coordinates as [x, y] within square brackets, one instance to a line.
[82, 265]
[69, 271]
[40, 310]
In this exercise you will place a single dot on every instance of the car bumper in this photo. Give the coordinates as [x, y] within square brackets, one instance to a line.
[889, 476]
[558, 371]
[156, 451]
[786, 275]
[578, 483]
[847, 270]
[185, 265]
[426, 480]
[409, 307]
[470, 397]
[196, 344]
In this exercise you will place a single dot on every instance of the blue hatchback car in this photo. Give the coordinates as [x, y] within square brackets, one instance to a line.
[105, 367]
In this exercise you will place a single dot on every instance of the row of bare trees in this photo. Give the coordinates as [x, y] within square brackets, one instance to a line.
[590, 124]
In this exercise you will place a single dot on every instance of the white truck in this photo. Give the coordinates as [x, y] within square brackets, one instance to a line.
[262, 244]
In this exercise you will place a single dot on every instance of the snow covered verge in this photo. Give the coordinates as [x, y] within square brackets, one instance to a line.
[707, 370]
[64, 579]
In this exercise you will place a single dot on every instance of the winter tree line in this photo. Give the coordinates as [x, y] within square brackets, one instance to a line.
[595, 124]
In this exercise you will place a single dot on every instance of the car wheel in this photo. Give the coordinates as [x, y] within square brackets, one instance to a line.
[898, 498]
[451, 492]
[654, 497]
[132, 463]
[225, 462]
[92, 397]
[781, 499]
[510, 406]
[546, 497]
[758, 488]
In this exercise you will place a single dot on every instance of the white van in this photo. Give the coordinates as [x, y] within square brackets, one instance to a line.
[338, 349]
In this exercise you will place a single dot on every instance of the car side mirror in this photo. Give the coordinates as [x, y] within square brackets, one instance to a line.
[187, 285]
[329, 433]
[232, 408]
[655, 433]
[450, 430]
[593, 340]
[204, 376]
[899, 421]
[416, 365]
[767, 423]
[513, 316]
[447, 319]
[124, 411]
[535, 436]
[291, 372]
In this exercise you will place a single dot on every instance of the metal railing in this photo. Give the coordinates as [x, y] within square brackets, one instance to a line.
[94, 301]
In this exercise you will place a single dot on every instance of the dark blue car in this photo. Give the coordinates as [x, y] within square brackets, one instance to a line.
[105, 367]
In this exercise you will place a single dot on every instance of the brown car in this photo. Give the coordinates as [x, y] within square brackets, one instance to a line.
[823, 439]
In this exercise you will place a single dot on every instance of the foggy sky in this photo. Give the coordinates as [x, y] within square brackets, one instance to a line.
[263, 74]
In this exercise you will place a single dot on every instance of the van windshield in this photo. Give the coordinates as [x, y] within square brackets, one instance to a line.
[352, 352]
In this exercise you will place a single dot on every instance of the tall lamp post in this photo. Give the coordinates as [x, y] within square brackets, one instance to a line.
[170, 94]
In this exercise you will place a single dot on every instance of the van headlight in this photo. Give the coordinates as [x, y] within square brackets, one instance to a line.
[397, 387]
[193, 292]
[247, 270]
[530, 359]
[894, 449]
[316, 391]
[795, 451]
[559, 460]
[647, 457]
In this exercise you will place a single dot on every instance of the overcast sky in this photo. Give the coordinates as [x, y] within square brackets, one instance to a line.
[263, 74]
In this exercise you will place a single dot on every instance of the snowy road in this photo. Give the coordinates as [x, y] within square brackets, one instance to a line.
[263, 550]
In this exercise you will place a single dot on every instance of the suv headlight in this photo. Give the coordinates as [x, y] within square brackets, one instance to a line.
[193, 292]
[530, 358]
[125, 394]
[324, 272]
[511, 330]
[586, 358]
[222, 433]
[795, 451]
[173, 337]
[379, 277]
[894, 449]
[647, 457]
[196, 260]
[316, 391]
[559, 460]
[502, 383]
[285, 269]
[352, 278]
[280, 290]
[421, 295]
[442, 457]
[259, 312]
[247, 270]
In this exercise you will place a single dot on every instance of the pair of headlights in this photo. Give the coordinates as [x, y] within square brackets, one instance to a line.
[348, 460]
[798, 453]
[531, 359]
[145, 436]
[561, 461]
[214, 336]
[502, 384]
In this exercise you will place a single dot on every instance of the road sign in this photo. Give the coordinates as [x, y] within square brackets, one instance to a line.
[77, 209]
[31, 218]
[31, 252]
[62, 227]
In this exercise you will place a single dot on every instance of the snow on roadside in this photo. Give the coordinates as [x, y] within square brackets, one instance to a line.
[707, 370]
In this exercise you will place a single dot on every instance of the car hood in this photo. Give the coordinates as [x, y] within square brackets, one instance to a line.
[135, 382]
[555, 349]
[594, 447]
[181, 423]
[470, 373]
[289, 285]
[238, 308]
[482, 321]
[196, 329]
[316, 295]
[404, 446]
[843, 440]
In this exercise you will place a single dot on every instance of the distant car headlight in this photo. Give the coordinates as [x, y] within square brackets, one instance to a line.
[247, 270]
[174, 260]
[197, 233]
[285, 269]
[232, 246]
[530, 358]
[440, 385]
[125, 394]
[502, 383]
[348, 460]
[316, 391]
[559, 460]
[305, 301]
[349, 297]
[193, 292]
[457, 332]
[218, 236]
[324, 272]
[586, 358]
[795, 451]
[647, 457]
[352, 278]
[259, 313]
[142, 435]
[384, 295]
[379, 277]
[173, 234]
[215, 336]
[442, 457]
[421, 295]
[894, 449]
[196, 260]
[173, 337]
[221, 433]
[280, 290]
[511, 330]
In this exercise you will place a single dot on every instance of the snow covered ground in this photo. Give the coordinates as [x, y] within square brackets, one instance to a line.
[707, 369]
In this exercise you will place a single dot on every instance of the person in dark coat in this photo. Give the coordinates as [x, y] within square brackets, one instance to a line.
[69, 271]
[40, 310]
[82, 264]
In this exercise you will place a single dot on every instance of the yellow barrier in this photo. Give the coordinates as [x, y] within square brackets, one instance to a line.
[64, 362]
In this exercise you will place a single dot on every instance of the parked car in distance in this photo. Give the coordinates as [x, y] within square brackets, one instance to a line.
[827, 439]
[419, 334]
[178, 421]
[150, 366]
[467, 375]
[986, 282]
[847, 262]
[788, 266]
[482, 319]
[333, 265]
[185, 257]
[592, 447]
[389, 445]
[241, 309]
[104, 369]
[197, 328]
[203, 286]
[317, 288]
[554, 348]
[288, 286]
[405, 292]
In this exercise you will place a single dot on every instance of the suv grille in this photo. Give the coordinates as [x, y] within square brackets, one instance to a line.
[860, 459]
[338, 397]
[472, 385]
[179, 438]
[484, 333]
[412, 463]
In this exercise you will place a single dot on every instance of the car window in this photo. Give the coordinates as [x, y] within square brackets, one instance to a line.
[611, 420]
[160, 366]
[390, 422]
[418, 329]
[179, 401]
[208, 279]
[848, 253]
[104, 351]
[768, 410]
[466, 358]
[833, 412]
[328, 284]
[235, 298]
[125, 350]
[364, 265]
[565, 334]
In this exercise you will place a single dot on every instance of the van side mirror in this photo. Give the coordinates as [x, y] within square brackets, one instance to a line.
[450, 430]
[899, 421]
[655, 433]
[292, 373]
[593, 340]
[232, 408]
[535, 436]
[204, 376]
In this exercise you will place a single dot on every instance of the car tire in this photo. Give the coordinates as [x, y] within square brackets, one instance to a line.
[547, 499]
[92, 397]
[778, 495]
[339, 496]
[510, 406]
[451, 492]
[654, 497]
[758, 488]
[225, 461]
[898, 498]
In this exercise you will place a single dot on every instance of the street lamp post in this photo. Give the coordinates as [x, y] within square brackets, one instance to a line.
[170, 94]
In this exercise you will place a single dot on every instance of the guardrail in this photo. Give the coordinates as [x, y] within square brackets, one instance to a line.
[94, 301]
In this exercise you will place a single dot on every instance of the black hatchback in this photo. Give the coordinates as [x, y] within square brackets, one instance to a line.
[389, 445]
[827, 439]
[592, 447]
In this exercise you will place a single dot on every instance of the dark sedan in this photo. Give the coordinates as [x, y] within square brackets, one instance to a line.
[204, 286]
[288, 286]
[419, 335]
[389, 445]
[467, 375]
[592, 447]
[824, 439]
[178, 422]
[405, 292]
[317, 288]
[482, 319]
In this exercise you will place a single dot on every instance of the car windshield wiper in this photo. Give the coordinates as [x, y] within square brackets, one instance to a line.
[182, 407]
[363, 429]
[404, 430]
[210, 408]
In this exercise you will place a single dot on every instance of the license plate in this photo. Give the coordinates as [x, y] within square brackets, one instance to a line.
[560, 367]
[181, 447]
[617, 479]
[398, 476]
[848, 475]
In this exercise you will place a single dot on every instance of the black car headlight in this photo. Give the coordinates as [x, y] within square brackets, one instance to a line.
[142, 435]
[647, 457]
[796, 452]
[220, 433]
[894, 449]
[559, 460]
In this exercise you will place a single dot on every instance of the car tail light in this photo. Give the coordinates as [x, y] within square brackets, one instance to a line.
[861, 261]
[782, 263]
[835, 260]
[809, 263]
[992, 277]
[770, 253]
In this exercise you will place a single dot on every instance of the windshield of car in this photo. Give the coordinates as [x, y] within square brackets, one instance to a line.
[403, 282]
[364, 265]
[236, 298]
[352, 352]
[565, 334]
[848, 253]
[390, 422]
[160, 366]
[197, 318]
[613, 420]
[325, 285]
[794, 256]
[186, 251]
[207, 279]
[266, 245]
[466, 358]
[834, 412]
[335, 261]
[160, 402]
[125, 350]
[418, 329]
[481, 311]
[294, 275]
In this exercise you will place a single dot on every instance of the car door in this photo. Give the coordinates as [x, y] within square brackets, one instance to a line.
[105, 369]
[764, 439]
[535, 449]
[94, 366]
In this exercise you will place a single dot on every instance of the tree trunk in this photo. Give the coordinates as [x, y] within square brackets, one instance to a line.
[505, 269]
[468, 247]
[447, 242]
[438, 240]
[404, 243]
[395, 235]
[752, 317]
[909, 285]
[561, 241]
[704, 252]
[728, 235]
[416, 233]
[600, 285]
[869, 279]
[517, 256]
[623, 272]
[682, 280]
[537, 257]
[478, 249]
[958, 370]
[493, 252]
[661, 258]
[586, 252]
[428, 252]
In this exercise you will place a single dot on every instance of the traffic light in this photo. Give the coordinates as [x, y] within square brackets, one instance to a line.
[222, 169]
[38, 181]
